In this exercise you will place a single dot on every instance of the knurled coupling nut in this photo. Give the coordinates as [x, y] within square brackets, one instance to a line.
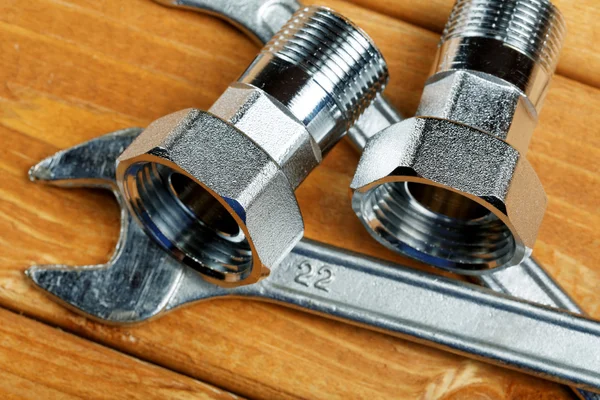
[216, 188]
[452, 186]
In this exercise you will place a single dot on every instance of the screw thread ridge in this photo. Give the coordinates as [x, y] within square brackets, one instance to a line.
[534, 27]
[392, 213]
[337, 54]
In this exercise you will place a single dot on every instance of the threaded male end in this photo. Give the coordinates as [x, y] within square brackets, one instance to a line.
[336, 53]
[533, 27]
[518, 41]
[323, 68]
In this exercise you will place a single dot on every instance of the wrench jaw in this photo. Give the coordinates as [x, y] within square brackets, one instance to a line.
[138, 281]
[133, 286]
[119, 292]
[89, 164]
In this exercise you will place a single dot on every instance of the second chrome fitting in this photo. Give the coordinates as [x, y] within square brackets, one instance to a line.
[216, 188]
[452, 187]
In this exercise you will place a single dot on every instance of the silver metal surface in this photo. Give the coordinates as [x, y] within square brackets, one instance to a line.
[328, 281]
[529, 281]
[518, 41]
[147, 267]
[261, 19]
[216, 188]
[402, 195]
[526, 280]
[466, 201]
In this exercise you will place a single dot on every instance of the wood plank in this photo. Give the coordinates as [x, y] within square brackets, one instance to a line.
[40, 362]
[93, 67]
[579, 59]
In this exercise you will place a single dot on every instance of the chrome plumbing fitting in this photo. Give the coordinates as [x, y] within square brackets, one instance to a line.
[451, 186]
[216, 188]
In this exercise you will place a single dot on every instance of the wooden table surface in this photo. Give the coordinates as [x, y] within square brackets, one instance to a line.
[71, 70]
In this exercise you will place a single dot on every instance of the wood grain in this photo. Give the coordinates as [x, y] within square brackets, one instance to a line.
[75, 69]
[40, 362]
[579, 58]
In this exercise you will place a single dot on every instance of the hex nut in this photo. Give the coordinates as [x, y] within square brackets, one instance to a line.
[460, 159]
[481, 101]
[272, 127]
[232, 169]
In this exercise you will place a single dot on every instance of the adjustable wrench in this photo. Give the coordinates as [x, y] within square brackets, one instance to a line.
[142, 281]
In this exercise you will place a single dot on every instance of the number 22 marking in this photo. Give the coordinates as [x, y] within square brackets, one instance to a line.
[307, 276]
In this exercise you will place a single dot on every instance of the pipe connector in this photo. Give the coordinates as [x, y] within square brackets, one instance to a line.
[452, 187]
[216, 188]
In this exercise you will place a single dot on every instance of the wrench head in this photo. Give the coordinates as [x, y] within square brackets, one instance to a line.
[140, 279]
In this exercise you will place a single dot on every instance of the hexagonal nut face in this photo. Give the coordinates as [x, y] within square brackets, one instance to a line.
[272, 126]
[448, 195]
[480, 101]
[211, 196]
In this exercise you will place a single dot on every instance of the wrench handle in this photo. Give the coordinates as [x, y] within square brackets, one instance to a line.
[529, 281]
[421, 307]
